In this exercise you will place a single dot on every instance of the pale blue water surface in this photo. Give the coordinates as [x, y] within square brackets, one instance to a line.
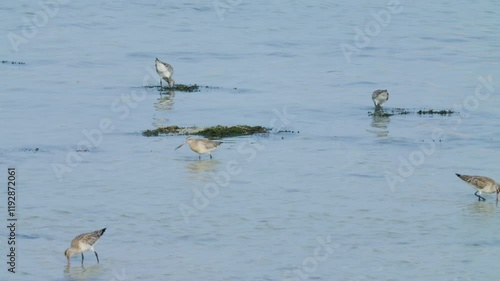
[346, 196]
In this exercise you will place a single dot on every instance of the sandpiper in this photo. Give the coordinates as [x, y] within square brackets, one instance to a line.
[165, 71]
[481, 184]
[201, 146]
[379, 97]
[82, 243]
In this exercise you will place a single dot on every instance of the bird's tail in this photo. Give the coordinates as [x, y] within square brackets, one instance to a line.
[465, 178]
[100, 232]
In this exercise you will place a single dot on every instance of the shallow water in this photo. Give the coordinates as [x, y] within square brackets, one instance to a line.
[346, 196]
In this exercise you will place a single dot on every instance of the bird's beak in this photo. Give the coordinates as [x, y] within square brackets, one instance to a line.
[180, 146]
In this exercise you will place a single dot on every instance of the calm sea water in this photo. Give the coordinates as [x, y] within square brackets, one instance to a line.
[346, 196]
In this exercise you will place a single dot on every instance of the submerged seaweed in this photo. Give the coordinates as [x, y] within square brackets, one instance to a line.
[210, 132]
[185, 88]
[182, 88]
[30, 149]
[232, 131]
[13, 62]
[162, 130]
[404, 111]
[439, 112]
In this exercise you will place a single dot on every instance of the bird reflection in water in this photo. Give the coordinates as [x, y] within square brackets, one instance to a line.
[202, 170]
[164, 103]
[483, 209]
[379, 123]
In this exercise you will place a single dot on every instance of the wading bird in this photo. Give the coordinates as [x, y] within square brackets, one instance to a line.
[481, 184]
[165, 71]
[201, 146]
[379, 97]
[82, 243]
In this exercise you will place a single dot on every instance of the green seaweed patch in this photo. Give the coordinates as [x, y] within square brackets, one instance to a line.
[13, 62]
[210, 132]
[161, 130]
[405, 111]
[231, 131]
[186, 88]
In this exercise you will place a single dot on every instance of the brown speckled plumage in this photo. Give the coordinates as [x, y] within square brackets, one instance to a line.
[201, 146]
[379, 97]
[84, 242]
[481, 184]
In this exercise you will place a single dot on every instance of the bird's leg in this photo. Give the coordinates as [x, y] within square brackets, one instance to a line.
[96, 256]
[161, 84]
[479, 197]
[82, 259]
[199, 157]
[210, 156]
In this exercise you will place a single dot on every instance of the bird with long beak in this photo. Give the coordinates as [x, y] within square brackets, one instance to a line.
[481, 184]
[201, 146]
[82, 243]
[166, 71]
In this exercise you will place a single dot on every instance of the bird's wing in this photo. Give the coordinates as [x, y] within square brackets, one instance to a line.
[170, 69]
[88, 238]
[211, 144]
[477, 181]
[376, 93]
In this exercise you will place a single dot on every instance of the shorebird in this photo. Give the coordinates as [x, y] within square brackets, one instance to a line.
[481, 184]
[165, 71]
[379, 97]
[84, 242]
[201, 146]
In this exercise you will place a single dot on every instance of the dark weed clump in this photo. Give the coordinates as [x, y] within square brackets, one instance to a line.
[215, 132]
[218, 132]
[438, 112]
[179, 87]
[13, 62]
[404, 111]
[161, 130]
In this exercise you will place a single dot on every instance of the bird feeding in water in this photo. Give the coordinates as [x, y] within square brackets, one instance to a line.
[201, 146]
[82, 243]
[379, 97]
[481, 184]
[166, 71]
